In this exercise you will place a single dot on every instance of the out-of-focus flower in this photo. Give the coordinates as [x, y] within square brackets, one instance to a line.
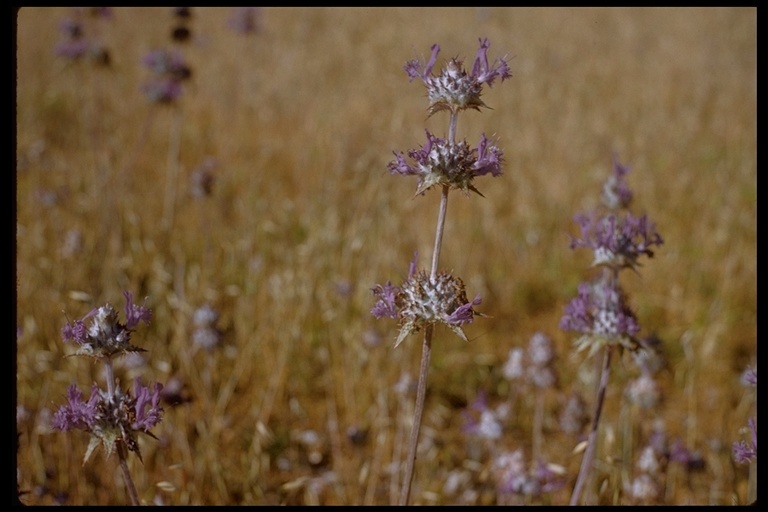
[512, 475]
[454, 89]
[169, 71]
[616, 191]
[574, 416]
[600, 313]
[206, 334]
[617, 241]
[245, 20]
[746, 451]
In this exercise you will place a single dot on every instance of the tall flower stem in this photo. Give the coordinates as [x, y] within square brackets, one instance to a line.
[589, 453]
[426, 352]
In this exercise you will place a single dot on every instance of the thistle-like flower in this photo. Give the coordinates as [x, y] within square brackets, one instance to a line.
[439, 162]
[601, 314]
[422, 301]
[617, 240]
[454, 89]
[111, 419]
[105, 336]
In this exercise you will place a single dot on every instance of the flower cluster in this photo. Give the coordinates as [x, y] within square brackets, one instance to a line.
[76, 42]
[536, 365]
[513, 477]
[111, 419]
[616, 192]
[423, 301]
[454, 89]
[206, 334]
[482, 421]
[105, 335]
[746, 451]
[245, 20]
[169, 71]
[439, 162]
[617, 240]
[600, 312]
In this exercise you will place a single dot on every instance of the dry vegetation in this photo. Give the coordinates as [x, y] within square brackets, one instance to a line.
[304, 219]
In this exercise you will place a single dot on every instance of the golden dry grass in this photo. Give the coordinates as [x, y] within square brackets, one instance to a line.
[304, 219]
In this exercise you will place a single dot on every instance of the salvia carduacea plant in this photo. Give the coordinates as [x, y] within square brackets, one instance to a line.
[439, 297]
[600, 313]
[113, 417]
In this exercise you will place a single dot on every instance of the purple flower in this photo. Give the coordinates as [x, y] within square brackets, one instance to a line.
[422, 301]
[245, 20]
[454, 89]
[111, 418]
[744, 451]
[601, 314]
[169, 70]
[386, 306]
[749, 377]
[76, 414]
[617, 241]
[453, 165]
[513, 477]
[104, 335]
[135, 314]
[147, 406]
[616, 191]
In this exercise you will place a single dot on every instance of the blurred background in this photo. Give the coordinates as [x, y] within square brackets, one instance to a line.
[248, 198]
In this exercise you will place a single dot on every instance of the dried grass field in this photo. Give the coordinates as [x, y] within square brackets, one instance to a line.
[302, 399]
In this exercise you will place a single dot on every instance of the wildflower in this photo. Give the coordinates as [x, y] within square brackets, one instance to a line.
[617, 241]
[206, 334]
[169, 70]
[454, 89]
[644, 391]
[541, 356]
[245, 20]
[74, 45]
[574, 416]
[423, 301]
[439, 162]
[513, 368]
[513, 477]
[616, 191]
[601, 314]
[746, 451]
[105, 336]
[110, 419]
[749, 377]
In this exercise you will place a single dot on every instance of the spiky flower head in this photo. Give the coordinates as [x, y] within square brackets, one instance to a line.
[454, 89]
[601, 314]
[456, 165]
[111, 419]
[105, 336]
[617, 240]
[423, 301]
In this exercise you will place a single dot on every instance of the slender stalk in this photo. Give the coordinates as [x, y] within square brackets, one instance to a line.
[589, 453]
[173, 170]
[426, 351]
[127, 475]
[121, 455]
